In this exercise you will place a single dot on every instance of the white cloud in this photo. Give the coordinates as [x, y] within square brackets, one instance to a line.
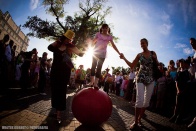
[188, 10]
[192, 10]
[166, 27]
[34, 4]
[171, 8]
[179, 45]
[184, 10]
[188, 51]
[146, 15]
[131, 10]
[165, 17]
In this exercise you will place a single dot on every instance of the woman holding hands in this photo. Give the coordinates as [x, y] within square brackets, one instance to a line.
[144, 80]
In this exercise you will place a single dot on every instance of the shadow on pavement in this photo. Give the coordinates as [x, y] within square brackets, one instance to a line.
[16, 100]
[156, 126]
[87, 128]
[66, 119]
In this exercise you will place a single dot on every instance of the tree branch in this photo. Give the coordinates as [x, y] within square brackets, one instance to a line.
[57, 17]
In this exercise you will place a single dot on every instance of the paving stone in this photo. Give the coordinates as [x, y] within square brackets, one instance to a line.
[33, 109]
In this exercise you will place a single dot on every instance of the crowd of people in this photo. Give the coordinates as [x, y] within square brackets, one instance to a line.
[25, 70]
[173, 93]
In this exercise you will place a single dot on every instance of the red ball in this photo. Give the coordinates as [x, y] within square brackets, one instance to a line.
[91, 106]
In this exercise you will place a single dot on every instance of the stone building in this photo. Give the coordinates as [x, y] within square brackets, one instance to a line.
[8, 26]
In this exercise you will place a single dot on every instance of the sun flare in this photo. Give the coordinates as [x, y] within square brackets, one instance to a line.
[86, 60]
[90, 52]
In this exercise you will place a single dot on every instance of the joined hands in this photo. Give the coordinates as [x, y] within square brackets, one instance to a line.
[81, 54]
[122, 56]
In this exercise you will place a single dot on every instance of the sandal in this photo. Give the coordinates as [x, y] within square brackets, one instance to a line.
[58, 120]
[140, 124]
[133, 126]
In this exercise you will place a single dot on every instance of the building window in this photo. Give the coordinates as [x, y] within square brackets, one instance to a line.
[6, 28]
[3, 24]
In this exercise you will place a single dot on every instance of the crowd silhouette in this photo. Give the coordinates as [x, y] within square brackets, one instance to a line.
[173, 94]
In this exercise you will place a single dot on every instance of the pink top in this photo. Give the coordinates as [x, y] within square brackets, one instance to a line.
[101, 45]
[124, 84]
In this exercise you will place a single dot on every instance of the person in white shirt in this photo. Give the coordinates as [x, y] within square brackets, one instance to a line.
[72, 78]
[8, 53]
[118, 80]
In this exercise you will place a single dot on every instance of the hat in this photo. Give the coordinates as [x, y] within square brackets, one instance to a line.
[107, 69]
[69, 34]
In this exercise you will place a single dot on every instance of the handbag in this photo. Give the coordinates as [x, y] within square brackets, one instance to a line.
[67, 60]
[156, 72]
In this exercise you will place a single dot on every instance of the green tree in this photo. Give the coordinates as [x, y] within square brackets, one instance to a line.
[85, 23]
[117, 69]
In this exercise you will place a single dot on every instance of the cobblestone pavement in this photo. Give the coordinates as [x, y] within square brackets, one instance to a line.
[28, 109]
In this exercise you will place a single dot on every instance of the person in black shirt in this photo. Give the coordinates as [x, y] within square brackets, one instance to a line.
[43, 73]
[25, 73]
[61, 69]
[182, 78]
[2, 46]
[2, 55]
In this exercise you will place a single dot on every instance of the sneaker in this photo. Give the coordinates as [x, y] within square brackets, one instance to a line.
[43, 94]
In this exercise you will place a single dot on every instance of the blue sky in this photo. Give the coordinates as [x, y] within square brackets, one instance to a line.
[167, 24]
